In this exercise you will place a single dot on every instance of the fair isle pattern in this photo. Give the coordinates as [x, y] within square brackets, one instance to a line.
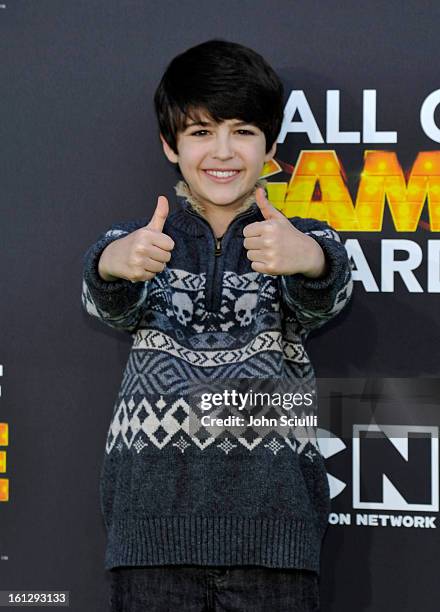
[167, 479]
[183, 280]
[147, 372]
[161, 364]
[156, 340]
[252, 281]
[160, 424]
[158, 320]
[187, 281]
[181, 295]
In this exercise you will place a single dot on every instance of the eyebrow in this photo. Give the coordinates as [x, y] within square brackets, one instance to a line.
[207, 123]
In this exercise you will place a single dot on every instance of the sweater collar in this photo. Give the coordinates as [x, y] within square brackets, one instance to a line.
[183, 193]
[186, 200]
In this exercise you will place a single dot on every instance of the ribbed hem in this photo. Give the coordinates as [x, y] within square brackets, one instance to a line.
[282, 542]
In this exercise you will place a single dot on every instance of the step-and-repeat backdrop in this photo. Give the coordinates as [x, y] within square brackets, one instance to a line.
[359, 147]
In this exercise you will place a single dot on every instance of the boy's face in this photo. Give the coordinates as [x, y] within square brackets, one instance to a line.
[208, 148]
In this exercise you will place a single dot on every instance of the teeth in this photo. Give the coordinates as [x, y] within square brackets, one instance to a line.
[220, 174]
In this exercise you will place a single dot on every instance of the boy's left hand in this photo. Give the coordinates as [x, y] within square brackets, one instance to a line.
[276, 247]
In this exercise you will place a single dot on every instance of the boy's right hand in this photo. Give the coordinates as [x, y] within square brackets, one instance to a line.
[140, 255]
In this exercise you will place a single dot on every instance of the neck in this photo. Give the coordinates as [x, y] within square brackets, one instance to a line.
[218, 217]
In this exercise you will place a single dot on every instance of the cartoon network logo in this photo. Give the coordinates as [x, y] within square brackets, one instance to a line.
[394, 467]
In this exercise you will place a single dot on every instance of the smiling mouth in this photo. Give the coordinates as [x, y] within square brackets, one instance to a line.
[222, 175]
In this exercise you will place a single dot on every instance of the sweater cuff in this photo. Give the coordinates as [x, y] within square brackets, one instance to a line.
[109, 295]
[313, 291]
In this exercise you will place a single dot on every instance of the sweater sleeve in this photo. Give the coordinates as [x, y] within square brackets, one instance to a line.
[119, 304]
[316, 300]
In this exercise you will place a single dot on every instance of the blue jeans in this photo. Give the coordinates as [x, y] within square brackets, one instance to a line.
[194, 588]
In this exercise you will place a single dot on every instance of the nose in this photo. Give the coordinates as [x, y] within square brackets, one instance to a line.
[222, 147]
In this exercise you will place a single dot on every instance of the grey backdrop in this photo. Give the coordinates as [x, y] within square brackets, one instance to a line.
[79, 152]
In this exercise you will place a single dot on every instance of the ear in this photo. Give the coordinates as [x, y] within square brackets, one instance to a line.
[271, 153]
[171, 156]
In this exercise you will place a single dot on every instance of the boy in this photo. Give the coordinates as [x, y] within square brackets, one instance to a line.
[224, 289]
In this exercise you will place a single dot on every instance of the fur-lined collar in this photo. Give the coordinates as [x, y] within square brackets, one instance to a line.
[182, 189]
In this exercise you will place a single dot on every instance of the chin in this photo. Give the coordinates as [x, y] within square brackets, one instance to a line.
[224, 201]
[226, 196]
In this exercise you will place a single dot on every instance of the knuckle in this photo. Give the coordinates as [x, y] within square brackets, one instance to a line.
[140, 248]
[132, 261]
[136, 277]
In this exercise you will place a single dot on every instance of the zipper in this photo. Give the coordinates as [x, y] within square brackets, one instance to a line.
[218, 246]
[211, 306]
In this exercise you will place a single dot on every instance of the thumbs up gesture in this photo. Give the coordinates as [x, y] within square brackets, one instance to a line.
[142, 254]
[276, 247]
[160, 215]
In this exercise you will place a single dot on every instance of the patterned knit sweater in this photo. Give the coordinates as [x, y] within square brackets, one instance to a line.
[175, 491]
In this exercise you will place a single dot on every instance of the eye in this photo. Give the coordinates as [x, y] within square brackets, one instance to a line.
[242, 132]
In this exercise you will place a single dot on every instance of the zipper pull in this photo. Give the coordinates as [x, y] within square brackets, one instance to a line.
[218, 246]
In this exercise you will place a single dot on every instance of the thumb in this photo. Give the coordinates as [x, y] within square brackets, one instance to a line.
[267, 209]
[159, 217]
